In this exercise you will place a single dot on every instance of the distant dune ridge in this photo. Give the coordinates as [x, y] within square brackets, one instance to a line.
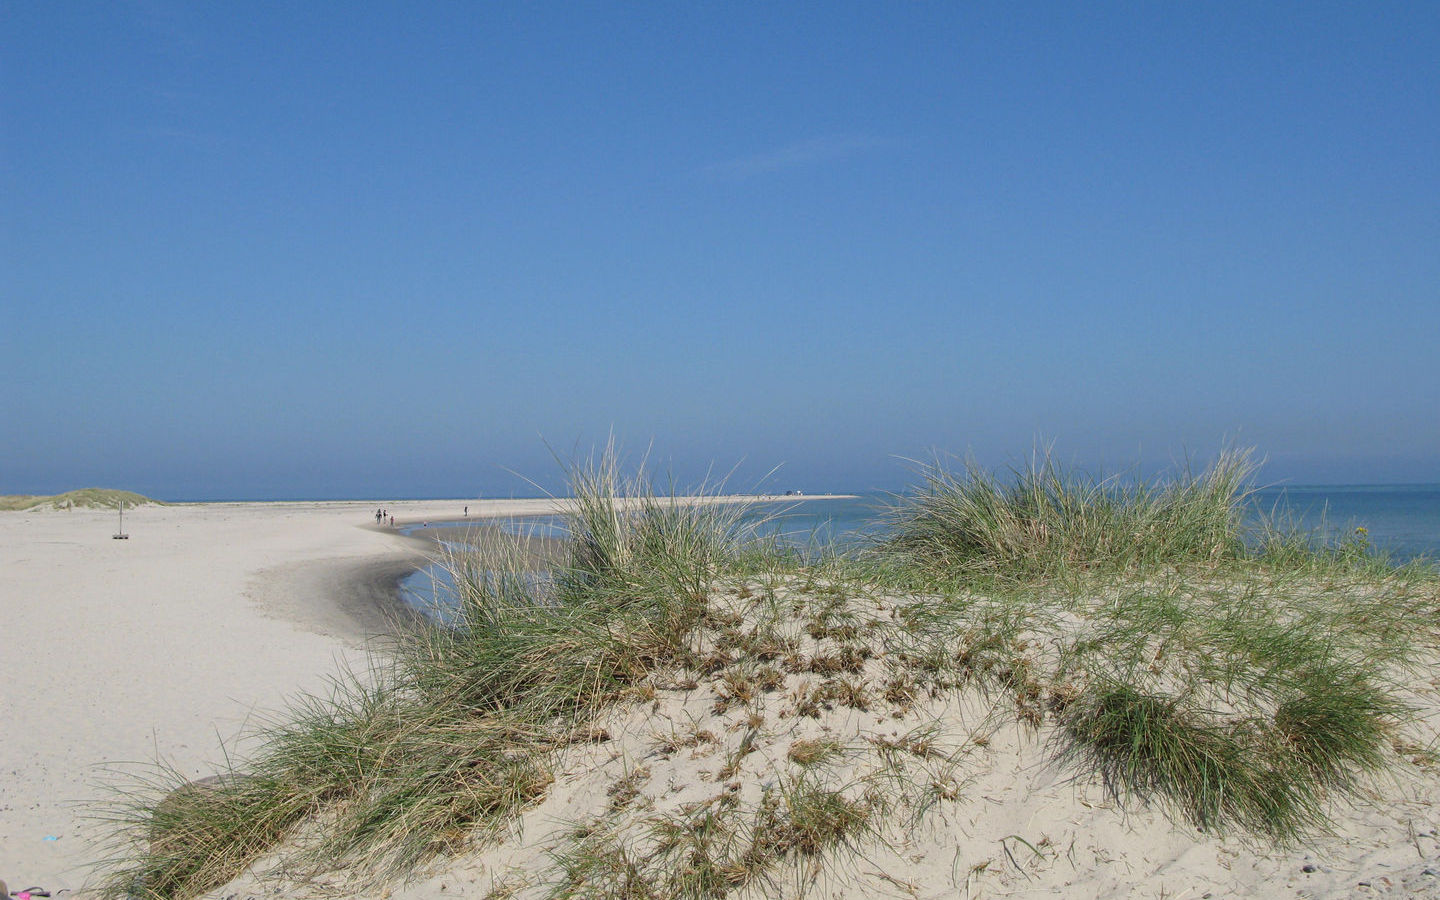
[85, 498]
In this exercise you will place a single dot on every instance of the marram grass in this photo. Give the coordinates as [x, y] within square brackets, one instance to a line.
[1043, 520]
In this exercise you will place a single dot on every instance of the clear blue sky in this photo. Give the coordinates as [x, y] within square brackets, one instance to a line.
[274, 249]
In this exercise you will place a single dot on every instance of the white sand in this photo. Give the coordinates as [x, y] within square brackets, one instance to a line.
[167, 642]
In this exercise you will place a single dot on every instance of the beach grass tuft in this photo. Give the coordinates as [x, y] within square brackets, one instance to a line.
[1043, 520]
[1216, 775]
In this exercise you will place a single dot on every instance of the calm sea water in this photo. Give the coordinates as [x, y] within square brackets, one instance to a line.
[1401, 520]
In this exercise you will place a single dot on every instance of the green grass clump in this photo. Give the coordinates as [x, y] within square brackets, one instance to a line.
[1217, 774]
[199, 835]
[1047, 521]
[1263, 775]
[1336, 726]
[622, 599]
[396, 781]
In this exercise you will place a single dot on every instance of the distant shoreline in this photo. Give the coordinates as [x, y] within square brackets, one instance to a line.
[40, 499]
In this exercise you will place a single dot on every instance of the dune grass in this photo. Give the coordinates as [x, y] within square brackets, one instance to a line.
[1244, 683]
[1043, 521]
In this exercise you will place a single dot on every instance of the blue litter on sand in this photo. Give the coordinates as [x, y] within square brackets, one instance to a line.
[51, 837]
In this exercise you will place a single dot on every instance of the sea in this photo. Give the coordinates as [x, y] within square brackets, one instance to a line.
[1401, 521]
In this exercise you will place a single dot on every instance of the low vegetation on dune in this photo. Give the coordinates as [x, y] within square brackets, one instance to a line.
[85, 498]
[727, 715]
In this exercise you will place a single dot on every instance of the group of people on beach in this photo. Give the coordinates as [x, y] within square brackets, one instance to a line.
[382, 517]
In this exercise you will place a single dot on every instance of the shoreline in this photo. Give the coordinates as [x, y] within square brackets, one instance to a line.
[364, 594]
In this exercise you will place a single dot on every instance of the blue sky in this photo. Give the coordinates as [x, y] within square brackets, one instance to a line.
[271, 250]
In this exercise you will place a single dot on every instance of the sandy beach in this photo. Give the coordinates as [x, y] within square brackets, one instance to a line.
[115, 651]
[211, 615]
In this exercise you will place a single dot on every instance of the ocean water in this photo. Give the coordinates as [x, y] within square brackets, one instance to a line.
[1402, 521]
